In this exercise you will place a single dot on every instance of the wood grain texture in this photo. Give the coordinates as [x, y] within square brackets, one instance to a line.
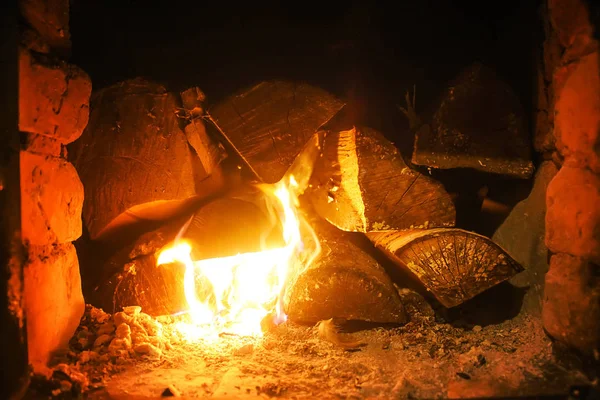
[361, 183]
[133, 152]
[453, 264]
[270, 122]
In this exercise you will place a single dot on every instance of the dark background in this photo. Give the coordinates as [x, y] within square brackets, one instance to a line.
[365, 52]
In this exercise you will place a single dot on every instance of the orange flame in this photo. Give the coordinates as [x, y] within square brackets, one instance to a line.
[239, 291]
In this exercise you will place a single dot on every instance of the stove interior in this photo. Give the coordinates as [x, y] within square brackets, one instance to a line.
[268, 200]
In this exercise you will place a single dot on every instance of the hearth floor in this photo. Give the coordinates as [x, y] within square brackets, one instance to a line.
[423, 359]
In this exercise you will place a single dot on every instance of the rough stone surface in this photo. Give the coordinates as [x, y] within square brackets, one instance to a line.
[522, 236]
[40, 144]
[570, 19]
[573, 216]
[571, 312]
[53, 97]
[50, 18]
[51, 200]
[577, 120]
[53, 300]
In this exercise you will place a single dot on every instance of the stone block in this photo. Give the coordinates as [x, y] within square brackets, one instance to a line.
[51, 200]
[50, 18]
[573, 213]
[53, 97]
[53, 300]
[40, 144]
[577, 114]
[571, 20]
[522, 236]
[571, 312]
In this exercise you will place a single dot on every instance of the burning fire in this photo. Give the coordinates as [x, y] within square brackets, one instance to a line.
[236, 293]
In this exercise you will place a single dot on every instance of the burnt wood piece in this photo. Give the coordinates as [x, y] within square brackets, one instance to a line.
[232, 225]
[269, 123]
[133, 152]
[343, 282]
[130, 276]
[361, 183]
[478, 123]
[453, 264]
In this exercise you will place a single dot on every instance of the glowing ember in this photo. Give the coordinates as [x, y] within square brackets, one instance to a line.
[234, 294]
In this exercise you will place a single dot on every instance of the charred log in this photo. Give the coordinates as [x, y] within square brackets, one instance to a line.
[453, 264]
[361, 183]
[268, 124]
[343, 282]
[231, 225]
[478, 123]
[131, 277]
[225, 226]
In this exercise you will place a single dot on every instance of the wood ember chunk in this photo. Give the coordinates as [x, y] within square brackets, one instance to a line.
[361, 183]
[343, 282]
[453, 264]
[51, 200]
[269, 123]
[53, 97]
[478, 123]
[133, 152]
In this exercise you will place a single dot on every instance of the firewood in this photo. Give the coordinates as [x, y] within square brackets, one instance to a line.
[362, 184]
[269, 123]
[343, 282]
[478, 123]
[224, 227]
[130, 277]
[133, 152]
[453, 264]
[230, 225]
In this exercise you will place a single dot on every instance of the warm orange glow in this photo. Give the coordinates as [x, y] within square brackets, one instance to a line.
[237, 292]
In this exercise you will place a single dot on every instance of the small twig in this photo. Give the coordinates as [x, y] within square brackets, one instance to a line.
[409, 111]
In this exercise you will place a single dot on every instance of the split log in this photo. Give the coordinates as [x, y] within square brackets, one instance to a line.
[343, 282]
[362, 184]
[268, 124]
[478, 123]
[453, 264]
[230, 226]
[130, 277]
[223, 227]
[133, 152]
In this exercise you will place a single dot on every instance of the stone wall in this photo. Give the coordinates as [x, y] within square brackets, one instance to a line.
[568, 133]
[53, 111]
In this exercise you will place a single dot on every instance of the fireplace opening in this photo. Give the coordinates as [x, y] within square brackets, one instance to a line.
[258, 201]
